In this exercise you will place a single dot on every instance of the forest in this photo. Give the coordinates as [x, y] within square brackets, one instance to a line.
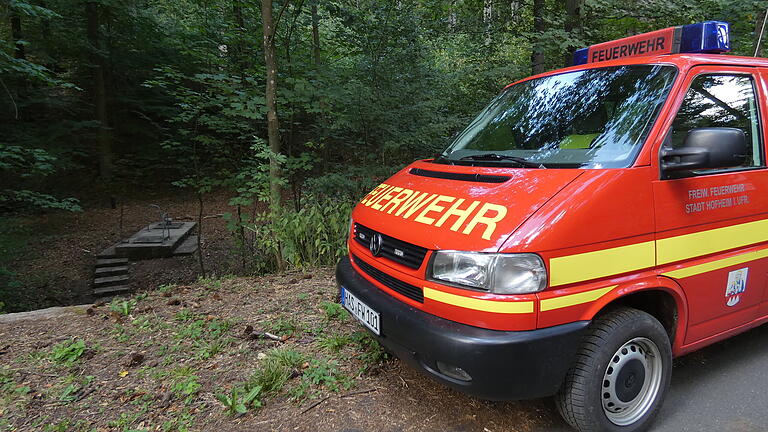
[258, 125]
[291, 110]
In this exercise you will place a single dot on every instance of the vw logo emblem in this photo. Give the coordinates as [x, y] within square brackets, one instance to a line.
[375, 245]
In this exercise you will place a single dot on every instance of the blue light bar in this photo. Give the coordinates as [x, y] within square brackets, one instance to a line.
[704, 37]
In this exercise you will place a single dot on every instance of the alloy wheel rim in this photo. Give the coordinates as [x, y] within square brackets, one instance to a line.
[632, 381]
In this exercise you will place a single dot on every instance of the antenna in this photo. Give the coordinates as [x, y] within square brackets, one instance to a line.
[760, 38]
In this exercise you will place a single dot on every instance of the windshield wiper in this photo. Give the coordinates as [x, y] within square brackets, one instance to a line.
[522, 162]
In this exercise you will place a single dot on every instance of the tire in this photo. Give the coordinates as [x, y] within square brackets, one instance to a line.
[620, 375]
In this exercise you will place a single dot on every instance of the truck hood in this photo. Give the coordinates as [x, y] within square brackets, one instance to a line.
[457, 207]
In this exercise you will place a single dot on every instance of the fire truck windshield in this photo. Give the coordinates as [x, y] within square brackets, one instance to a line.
[594, 118]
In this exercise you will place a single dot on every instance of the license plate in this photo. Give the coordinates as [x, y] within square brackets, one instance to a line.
[361, 311]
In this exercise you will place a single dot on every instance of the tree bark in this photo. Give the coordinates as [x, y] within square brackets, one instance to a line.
[488, 20]
[273, 124]
[315, 36]
[573, 18]
[537, 55]
[17, 36]
[200, 259]
[99, 92]
[238, 46]
[759, 33]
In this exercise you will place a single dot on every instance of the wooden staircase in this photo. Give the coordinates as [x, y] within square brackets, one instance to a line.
[111, 275]
[113, 263]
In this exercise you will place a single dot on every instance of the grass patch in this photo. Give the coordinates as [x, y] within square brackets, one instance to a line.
[285, 326]
[184, 383]
[10, 391]
[167, 288]
[333, 311]
[334, 343]
[238, 400]
[123, 307]
[184, 315]
[210, 283]
[276, 369]
[321, 374]
[372, 354]
[74, 386]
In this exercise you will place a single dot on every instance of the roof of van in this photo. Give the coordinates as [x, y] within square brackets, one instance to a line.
[682, 61]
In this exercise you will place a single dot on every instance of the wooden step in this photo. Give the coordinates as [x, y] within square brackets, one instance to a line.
[111, 271]
[111, 262]
[106, 281]
[111, 290]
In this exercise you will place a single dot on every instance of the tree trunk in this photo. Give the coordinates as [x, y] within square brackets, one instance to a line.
[99, 92]
[488, 20]
[200, 260]
[760, 33]
[17, 36]
[573, 20]
[537, 55]
[273, 124]
[238, 47]
[315, 36]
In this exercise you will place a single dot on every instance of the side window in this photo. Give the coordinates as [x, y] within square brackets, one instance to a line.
[721, 101]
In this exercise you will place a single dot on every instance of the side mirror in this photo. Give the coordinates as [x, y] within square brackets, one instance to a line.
[706, 148]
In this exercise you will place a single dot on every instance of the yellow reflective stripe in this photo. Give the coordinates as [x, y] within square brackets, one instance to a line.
[716, 265]
[601, 263]
[574, 299]
[509, 307]
[715, 240]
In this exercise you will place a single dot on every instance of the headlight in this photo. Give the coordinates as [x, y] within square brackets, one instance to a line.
[498, 273]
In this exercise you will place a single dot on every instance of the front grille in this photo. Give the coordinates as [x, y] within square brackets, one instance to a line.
[408, 290]
[391, 248]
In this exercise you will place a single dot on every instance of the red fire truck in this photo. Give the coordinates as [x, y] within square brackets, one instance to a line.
[587, 226]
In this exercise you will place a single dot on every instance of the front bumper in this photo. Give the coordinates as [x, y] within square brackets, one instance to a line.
[504, 365]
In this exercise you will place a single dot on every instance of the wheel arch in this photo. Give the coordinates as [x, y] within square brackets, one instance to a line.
[660, 297]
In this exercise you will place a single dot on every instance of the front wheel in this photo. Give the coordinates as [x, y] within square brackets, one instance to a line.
[620, 375]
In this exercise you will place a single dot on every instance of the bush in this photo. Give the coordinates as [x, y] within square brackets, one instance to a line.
[313, 236]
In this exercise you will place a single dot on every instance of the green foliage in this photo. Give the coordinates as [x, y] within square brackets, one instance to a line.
[313, 236]
[276, 369]
[75, 386]
[123, 307]
[25, 163]
[333, 311]
[334, 343]
[184, 315]
[237, 405]
[66, 425]
[185, 104]
[68, 352]
[211, 283]
[321, 373]
[184, 383]
[372, 353]
[167, 288]
[285, 326]
[124, 421]
[10, 390]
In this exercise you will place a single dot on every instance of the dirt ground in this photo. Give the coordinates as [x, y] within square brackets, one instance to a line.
[56, 265]
[161, 360]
